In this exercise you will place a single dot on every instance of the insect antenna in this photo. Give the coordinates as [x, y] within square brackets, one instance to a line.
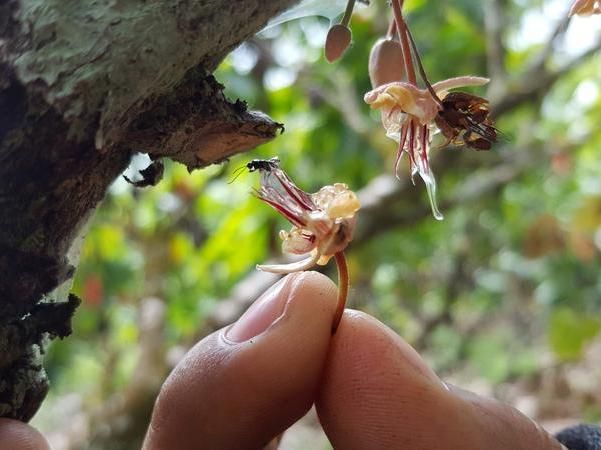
[236, 174]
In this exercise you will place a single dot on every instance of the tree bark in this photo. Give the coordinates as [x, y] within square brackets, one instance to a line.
[83, 86]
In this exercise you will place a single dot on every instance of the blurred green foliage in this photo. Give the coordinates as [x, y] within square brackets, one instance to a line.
[504, 288]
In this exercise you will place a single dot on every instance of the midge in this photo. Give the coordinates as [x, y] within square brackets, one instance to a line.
[266, 165]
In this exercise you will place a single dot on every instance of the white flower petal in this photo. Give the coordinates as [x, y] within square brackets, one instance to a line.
[457, 82]
[304, 264]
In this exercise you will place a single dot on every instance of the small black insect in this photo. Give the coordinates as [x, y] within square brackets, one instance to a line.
[266, 165]
[263, 164]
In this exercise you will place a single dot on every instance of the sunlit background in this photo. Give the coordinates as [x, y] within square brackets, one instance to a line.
[502, 297]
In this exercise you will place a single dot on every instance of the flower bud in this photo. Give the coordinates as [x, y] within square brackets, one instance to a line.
[386, 62]
[337, 41]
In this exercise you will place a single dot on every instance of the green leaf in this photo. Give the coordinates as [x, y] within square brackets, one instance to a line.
[570, 331]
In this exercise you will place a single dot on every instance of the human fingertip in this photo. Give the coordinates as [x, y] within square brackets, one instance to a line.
[262, 313]
[375, 388]
[317, 291]
[15, 434]
[362, 333]
[312, 287]
[379, 393]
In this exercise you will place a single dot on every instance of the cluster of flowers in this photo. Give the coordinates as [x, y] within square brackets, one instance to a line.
[323, 222]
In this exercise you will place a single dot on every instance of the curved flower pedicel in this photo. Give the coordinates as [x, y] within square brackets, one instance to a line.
[322, 223]
[410, 115]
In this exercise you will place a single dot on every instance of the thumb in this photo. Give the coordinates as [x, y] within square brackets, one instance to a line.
[245, 384]
[379, 393]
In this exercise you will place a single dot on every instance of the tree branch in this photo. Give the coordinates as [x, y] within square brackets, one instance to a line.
[83, 86]
[538, 79]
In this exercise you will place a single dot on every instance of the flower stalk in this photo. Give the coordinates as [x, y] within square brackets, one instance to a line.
[348, 13]
[343, 287]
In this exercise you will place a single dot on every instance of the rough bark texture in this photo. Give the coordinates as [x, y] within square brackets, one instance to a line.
[83, 86]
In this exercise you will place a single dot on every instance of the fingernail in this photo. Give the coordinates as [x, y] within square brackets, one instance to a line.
[262, 313]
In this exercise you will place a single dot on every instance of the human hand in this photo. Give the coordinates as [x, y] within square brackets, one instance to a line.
[244, 385]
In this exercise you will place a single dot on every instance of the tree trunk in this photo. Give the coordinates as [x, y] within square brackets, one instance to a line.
[83, 86]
